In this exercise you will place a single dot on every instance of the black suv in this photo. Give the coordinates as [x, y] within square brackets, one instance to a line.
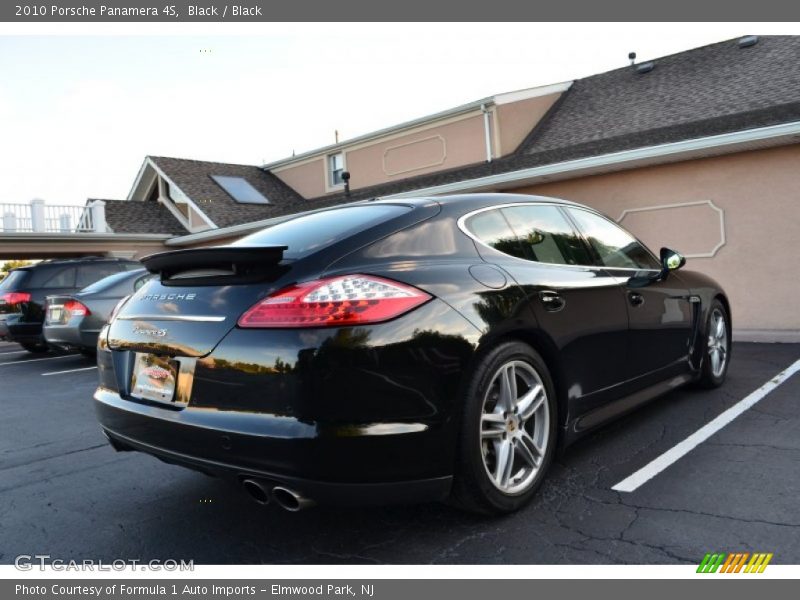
[23, 293]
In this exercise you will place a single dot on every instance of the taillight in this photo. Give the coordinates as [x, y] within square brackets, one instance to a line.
[76, 309]
[16, 297]
[335, 301]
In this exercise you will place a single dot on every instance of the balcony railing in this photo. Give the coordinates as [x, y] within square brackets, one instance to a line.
[37, 217]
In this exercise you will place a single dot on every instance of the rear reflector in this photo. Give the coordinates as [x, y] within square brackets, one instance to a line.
[16, 297]
[335, 301]
[76, 309]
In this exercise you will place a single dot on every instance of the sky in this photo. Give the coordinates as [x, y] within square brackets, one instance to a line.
[79, 112]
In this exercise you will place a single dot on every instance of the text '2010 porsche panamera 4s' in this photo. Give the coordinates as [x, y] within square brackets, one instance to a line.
[403, 350]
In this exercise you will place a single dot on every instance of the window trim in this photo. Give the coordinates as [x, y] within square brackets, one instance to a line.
[562, 206]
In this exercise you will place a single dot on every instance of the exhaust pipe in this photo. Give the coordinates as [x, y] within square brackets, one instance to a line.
[290, 499]
[257, 491]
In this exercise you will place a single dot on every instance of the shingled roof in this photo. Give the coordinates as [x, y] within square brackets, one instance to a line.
[125, 216]
[193, 177]
[714, 89]
[706, 91]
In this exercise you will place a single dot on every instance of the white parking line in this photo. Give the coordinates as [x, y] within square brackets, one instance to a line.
[15, 352]
[22, 362]
[67, 371]
[653, 468]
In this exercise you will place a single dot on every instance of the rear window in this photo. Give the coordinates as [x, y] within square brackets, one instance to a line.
[313, 232]
[110, 281]
[13, 280]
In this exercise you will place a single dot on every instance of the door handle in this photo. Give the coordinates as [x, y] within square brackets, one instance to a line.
[635, 299]
[552, 301]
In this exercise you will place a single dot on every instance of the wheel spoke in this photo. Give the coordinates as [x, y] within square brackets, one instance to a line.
[720, 328]
[508, 387]
[492, 426]
[528, 450]
[530, 402]
[505, 462]
[715, 362]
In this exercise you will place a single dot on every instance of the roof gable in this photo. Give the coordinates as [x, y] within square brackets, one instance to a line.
[194, 179]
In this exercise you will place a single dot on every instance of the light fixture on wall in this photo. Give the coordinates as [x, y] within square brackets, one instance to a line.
[346, 179]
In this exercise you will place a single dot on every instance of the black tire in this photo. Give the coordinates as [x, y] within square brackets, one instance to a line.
[35, 348]
[710, 375]
[88, 352]
[473, 487]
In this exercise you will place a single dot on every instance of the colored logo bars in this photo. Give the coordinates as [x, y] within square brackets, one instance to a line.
[735, 562]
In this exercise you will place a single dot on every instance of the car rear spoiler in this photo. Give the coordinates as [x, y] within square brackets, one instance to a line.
[230, 259]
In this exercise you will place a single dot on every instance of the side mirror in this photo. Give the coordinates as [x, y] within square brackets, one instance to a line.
[671, 260]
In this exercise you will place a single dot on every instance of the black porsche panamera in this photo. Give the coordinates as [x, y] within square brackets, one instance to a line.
[403, 350]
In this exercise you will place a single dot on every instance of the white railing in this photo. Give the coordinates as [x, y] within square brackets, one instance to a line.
[37, 217]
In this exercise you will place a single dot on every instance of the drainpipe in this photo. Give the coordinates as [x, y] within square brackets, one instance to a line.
[486, 132]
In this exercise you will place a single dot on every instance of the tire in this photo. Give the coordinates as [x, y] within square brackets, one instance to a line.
[717, 348]
[88, 352]
[35, 348]
[489, 431]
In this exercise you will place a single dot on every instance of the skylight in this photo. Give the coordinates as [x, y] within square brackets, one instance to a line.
[240, 189]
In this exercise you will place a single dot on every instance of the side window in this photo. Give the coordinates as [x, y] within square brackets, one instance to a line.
[615, 246]
[65, 278]
[536, 233]
[546, 236]
[88, 274]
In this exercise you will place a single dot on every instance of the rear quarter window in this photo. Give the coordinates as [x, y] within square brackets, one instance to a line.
[538, 233]
[311, 233]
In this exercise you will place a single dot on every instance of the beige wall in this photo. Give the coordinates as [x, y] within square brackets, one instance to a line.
[307, 179]
[447, 144]
[517, 119]
[759, 195]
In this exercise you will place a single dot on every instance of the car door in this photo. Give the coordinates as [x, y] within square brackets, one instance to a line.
[580, 307]
[660, 310]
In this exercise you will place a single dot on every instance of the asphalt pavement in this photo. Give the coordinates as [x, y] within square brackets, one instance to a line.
[65, 492]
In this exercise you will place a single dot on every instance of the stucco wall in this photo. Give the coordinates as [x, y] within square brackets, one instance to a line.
[307, 179]
[758, 193]
[517, 119]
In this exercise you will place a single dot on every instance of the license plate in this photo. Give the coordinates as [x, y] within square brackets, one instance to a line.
[154, 378]
[55, 315]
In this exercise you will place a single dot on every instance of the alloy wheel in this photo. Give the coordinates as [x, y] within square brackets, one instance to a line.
[515, 425]
[717, 342]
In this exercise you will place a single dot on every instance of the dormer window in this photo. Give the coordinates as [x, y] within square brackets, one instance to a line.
[240, 189]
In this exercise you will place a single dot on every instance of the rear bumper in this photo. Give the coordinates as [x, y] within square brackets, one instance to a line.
[323, 492]
[70, 336]
[14, 330]
[328, 464]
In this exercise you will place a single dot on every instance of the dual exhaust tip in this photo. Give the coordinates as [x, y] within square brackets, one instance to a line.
[264, 493]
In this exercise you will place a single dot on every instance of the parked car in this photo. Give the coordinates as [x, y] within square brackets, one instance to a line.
[23, 293]
[74, 322]
[404, 350]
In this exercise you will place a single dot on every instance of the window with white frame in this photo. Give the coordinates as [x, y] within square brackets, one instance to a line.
[335, 169]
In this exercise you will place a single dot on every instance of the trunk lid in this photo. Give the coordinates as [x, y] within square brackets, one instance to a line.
[197, 299]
